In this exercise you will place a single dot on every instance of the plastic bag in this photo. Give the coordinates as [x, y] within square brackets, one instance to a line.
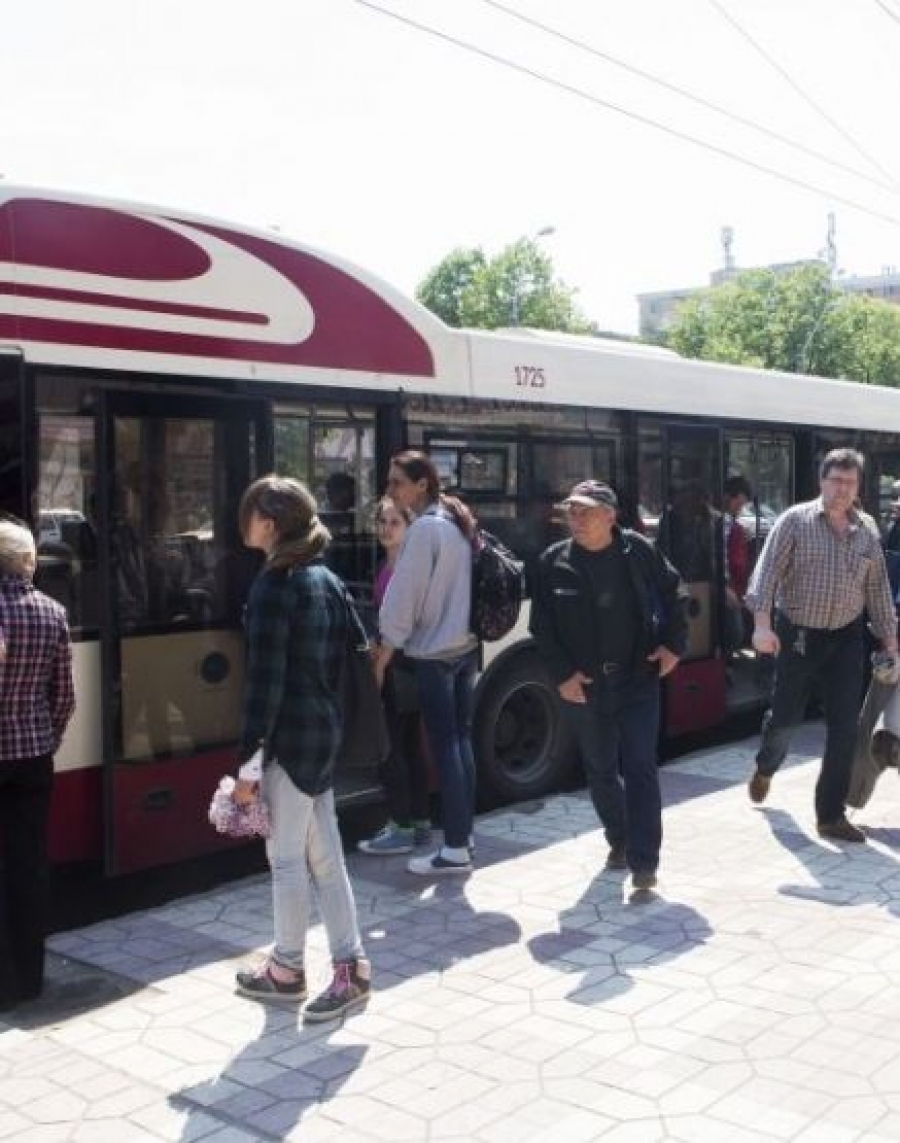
[233, 820]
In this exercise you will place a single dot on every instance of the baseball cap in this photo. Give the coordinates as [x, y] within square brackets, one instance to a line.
[592, 493]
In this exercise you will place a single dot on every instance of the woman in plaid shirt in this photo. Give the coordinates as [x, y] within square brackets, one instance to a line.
[37, 699]
[299, 623]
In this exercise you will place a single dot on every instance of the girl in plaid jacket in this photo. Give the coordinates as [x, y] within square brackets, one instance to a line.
[299, 624]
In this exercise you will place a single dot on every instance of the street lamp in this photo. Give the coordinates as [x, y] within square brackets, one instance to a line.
[544, 232]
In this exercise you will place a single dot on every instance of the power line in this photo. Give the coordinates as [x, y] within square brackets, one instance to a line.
[689, 95]
[888, 10]
[792, 83]
[503, 61]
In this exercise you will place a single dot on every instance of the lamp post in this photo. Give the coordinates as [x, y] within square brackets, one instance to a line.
[544, 232]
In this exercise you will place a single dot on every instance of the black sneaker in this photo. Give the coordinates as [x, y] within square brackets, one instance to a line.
[435, 864]
[350, 987]
[262, 985]
[616, 859]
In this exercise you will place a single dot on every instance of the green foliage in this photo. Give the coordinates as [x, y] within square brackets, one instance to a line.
[799, 322]
[517, 287]
[445, 286]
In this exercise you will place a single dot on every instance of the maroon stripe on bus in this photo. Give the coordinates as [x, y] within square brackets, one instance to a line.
[142, 305]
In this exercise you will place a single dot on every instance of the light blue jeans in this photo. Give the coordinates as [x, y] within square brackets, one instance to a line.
[305, 852]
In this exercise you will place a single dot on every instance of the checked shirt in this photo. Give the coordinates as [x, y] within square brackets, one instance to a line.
[819, 579]
[296, 638]
[37, 692]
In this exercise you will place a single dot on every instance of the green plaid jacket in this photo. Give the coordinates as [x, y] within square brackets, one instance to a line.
[297, 629]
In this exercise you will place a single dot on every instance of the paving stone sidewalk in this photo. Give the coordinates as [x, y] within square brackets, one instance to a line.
[756, 996]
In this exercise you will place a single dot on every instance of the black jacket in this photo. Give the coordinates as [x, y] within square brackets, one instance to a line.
[564, 620]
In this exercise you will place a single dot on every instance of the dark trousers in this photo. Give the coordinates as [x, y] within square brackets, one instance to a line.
[404, 773]
[24, 808]
[617, 731]
[833, 661]
[446, 693]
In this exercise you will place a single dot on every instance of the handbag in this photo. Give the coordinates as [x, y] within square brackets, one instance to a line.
[364, 734]
[234, 820]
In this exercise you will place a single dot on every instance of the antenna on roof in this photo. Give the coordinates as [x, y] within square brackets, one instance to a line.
[727, 238]
[830, 251]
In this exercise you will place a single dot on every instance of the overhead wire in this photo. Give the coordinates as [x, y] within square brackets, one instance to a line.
[808, 99]
[646, 120]
[693, 97]
[888, 10]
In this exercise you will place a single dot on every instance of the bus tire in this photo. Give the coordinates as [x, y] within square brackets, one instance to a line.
[523, 748]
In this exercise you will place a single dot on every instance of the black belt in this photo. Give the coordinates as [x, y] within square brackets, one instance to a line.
[610, 668]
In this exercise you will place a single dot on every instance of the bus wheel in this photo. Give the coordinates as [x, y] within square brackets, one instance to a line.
[522, 747]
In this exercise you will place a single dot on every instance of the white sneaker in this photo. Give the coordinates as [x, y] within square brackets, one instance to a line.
[436, 865]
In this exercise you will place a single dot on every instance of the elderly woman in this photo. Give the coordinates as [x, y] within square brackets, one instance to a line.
[37, 699]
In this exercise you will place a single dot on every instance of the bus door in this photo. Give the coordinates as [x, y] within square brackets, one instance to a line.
[13, 491]
[690, 534]
[174, 576]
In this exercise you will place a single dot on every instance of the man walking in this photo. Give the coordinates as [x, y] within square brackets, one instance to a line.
[823, 570]
[608, 619]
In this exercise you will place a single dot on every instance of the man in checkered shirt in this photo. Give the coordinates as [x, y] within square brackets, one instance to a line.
[823, 571]
[37, 699]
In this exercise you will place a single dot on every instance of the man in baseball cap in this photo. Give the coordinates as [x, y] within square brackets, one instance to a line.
[608, 618]
[592, 494]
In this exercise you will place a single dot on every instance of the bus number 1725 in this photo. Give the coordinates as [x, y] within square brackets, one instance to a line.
[530, 377]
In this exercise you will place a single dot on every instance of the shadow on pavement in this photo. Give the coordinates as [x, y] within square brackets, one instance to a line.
[600, 939]
[832, 884]
[273, 1080]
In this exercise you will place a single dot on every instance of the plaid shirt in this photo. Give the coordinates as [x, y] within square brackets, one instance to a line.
[820, 579]
[37, 692]
[297, 636]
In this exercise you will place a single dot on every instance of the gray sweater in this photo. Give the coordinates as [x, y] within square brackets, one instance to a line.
[426, 608]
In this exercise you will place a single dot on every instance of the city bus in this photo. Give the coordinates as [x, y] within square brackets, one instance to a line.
[153, 362]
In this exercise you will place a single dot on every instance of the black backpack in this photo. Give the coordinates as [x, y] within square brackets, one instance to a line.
[498, 587]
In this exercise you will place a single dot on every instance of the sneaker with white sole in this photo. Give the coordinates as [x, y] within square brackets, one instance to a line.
[436, 865]
[390, 839]
[261, 984]
[349, 989]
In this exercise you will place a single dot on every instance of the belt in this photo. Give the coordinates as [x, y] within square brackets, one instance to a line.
[609, 668]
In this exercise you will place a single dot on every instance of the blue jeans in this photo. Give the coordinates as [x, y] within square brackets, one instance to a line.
[305, 853]
[617, 730]
[835, 661]
[446, 690]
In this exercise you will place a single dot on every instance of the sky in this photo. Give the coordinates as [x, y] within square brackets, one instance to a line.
[358, 133]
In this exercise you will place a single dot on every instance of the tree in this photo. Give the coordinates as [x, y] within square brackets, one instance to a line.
[799, 322]
[517, 287]
[443, 288]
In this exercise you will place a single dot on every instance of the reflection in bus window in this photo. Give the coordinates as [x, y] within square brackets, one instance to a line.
[67, 539]
[175, 555]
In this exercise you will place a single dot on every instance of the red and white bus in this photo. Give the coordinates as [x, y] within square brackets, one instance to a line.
[153, 362]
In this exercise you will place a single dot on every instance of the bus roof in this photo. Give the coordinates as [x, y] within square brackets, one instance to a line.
[88, 282]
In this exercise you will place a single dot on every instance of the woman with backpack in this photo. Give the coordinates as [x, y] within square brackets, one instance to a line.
[299, 625]
[426, 614]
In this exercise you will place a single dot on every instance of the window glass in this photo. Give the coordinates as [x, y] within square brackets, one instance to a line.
[66, 517]
[650, 484]
[175, 554]
[292, 446]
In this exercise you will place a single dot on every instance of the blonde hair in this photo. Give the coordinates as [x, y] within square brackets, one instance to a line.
[18, 554]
